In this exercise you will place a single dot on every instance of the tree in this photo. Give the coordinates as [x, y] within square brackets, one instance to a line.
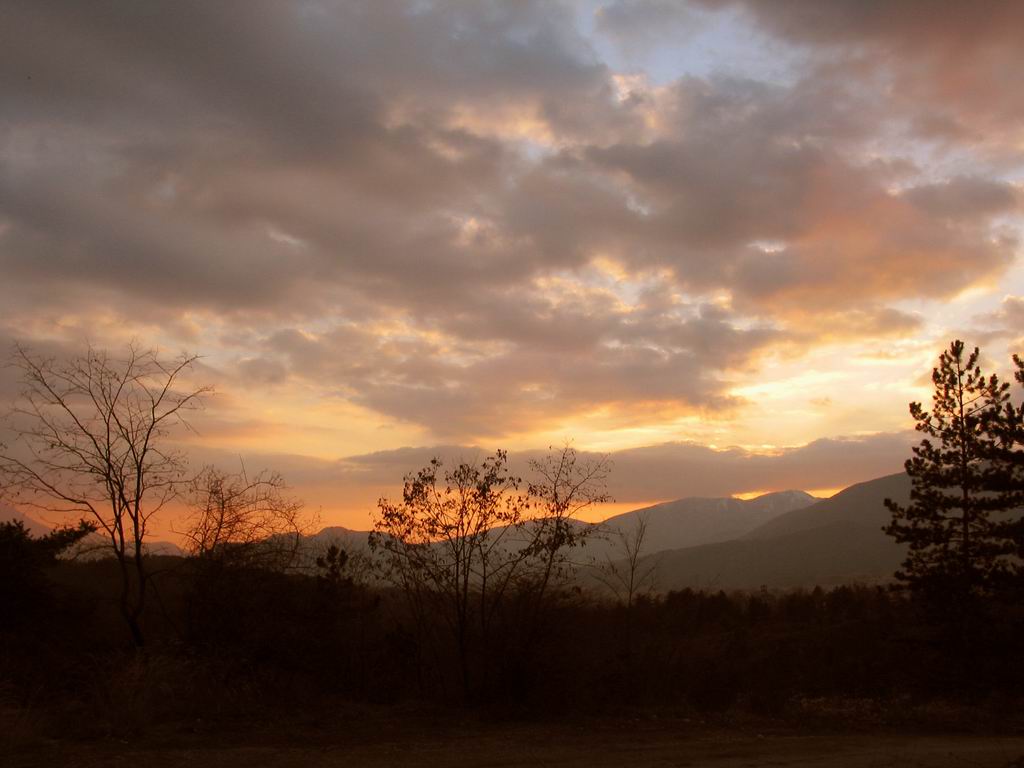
[91, 439]
[237, 520]
[23, 590]
[331, 566]
[624, 572]
[954, 550]
[564, 486]
[1007, 479]
[462, 541]
[443, 545]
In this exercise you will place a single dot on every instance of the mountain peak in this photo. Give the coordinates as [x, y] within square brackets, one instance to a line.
[780, 502]
[695, 520]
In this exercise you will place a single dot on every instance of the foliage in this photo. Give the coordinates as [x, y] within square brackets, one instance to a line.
[955, 552]
[266, 640]
[332, 566]
[23, 588]
[444, 546]
[1007, 481]
[468, 545]
[18, 549]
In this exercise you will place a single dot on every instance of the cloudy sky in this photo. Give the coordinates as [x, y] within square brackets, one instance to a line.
[723, 241]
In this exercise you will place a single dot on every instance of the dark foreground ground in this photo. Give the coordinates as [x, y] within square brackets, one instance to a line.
[415, 739]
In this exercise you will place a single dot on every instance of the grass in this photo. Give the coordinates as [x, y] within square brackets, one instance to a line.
[410, 736]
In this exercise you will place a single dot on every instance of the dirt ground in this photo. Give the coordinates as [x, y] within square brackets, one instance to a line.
[433, 743]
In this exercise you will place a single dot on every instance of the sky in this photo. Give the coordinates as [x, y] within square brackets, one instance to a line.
[721, 241]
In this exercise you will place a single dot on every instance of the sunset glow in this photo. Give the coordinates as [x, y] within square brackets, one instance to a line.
[722, 242]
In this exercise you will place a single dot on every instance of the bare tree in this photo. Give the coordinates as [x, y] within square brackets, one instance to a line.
[90, 438]
[624, 572]
[242, 520]
[565, 484]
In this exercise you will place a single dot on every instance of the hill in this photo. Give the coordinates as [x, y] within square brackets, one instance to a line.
[860, 504]
[694, 521]
[33, 526]
[94, 545]
[336, 534]
[834, 541]
[671, 525]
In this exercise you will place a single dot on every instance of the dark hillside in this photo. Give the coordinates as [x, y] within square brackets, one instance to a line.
[834, 541]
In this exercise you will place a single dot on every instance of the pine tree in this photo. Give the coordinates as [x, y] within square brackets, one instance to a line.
[1007, 481]
[956, 552]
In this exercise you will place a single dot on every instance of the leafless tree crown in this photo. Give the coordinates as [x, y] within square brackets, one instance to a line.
[90, 439]
[241, 519]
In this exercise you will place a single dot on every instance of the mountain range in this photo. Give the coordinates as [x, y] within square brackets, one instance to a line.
[92, 546]
[833, 541]
[695, 521]
[784, 539]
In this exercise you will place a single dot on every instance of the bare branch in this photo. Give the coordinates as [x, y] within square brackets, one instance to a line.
[87, 437]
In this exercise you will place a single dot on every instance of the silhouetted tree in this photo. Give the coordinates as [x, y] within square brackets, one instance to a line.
[91, 439]
[445, 545]
[1007, 479]
[624, 573]
[954, 548]
[22, 561]
[462, 541]
[331, 570]
[564, 485]
[237, 520]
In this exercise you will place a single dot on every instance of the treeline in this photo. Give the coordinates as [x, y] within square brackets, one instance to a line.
[230, 641]
[467, 594]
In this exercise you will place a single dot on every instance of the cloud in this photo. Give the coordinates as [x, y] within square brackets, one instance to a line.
[965, 197]
[949, 66]
[641, 475]
[750, 191]
[1006, 322]
[542, 363]
[635, 24]
[674, 470]
[458, 215]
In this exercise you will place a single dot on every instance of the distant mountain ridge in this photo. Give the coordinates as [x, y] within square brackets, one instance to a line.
[671, 524]
[93, 545]
[695, 520]
[33, 526]
[860, 504]
[782, 540]
[833, 541]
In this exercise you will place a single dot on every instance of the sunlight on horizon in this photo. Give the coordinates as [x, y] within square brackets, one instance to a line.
[647, 229]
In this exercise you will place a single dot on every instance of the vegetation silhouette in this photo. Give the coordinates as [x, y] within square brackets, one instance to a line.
[956, 552]
[962, 524]
[243, 519]
[463, 545]
[90, 440]
[471, 596]
[24, 589]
